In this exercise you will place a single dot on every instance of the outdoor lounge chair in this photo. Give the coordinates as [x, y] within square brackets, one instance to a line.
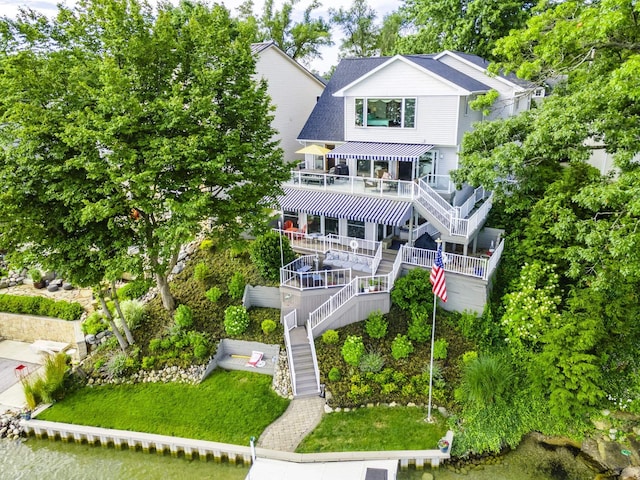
[255, 359]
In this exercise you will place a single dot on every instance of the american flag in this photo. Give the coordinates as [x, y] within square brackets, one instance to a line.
[437, 276]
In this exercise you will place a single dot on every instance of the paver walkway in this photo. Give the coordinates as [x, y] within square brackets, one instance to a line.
[302, 416]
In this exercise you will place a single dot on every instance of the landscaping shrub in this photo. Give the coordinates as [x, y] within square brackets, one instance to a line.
[207, 244]
[117, 365]
[376, 325]
[352, 350]
[134, 312]
[94, 324]
[401, 347]
[29, 305]
[485, 380]
[419, 328]
[440, 349]
[412, 289]
[213, 294]
[330, 337]
[265, 254]
[236, 320]
[268, 326]
[236, 286]
[183, 317]
[468, 357]
[148, 362]
[49, 386]
[334, 374]
[134, 289]
[371, 361]
[201, 272]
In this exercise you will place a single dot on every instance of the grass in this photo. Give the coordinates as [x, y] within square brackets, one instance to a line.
[228, 407]
[372, 429]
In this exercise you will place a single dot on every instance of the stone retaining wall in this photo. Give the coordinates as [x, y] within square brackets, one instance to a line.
[29, 328]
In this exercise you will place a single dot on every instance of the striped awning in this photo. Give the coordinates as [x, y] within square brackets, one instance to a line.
[338, 205]
[380, 151]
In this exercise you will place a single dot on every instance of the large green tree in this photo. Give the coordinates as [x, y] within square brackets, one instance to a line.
[145, 124]
[359, 28]
[300, 40]
[470, 26]
[577, 343]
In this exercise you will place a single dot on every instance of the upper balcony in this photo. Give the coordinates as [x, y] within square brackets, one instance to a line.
[370, 186]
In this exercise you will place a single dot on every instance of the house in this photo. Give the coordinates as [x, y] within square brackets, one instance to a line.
[374, 193]
[401, 118]
[293, 90]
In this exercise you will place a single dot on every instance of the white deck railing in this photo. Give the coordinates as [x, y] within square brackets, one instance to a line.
[467, 207]
[290, 322]
[292, 276]
[312, 345]
[358, 286]
[461, 264]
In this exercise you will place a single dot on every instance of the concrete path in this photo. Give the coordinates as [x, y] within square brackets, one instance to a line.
[302, 416]
[11, 354]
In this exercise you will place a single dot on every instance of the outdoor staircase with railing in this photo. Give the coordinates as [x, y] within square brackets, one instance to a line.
[303, 365]
[453, 222]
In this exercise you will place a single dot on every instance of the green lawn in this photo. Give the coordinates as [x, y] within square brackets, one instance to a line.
[377, 428]
[228, 407]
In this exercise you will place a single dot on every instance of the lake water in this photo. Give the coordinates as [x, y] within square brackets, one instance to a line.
[36, 459]
[47, 460]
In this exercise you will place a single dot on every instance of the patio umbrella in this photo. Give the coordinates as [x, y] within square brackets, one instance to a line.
[314, 150]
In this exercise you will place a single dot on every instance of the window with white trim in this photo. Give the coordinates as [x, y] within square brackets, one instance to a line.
[385, 112]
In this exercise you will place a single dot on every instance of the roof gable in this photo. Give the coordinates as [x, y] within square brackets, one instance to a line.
[448, 76]
[258, 48]
[482, 65]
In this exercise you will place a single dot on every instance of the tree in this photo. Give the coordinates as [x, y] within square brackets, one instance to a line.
[359, 29]
[146, 126]
[390, 33]
[584, 223]
[470, 26]
[300, 40]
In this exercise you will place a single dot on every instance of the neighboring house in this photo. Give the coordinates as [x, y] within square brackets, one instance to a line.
[294, 92]
[374, 194]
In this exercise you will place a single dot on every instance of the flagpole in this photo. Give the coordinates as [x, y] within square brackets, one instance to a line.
[433, 334]
[437, 264]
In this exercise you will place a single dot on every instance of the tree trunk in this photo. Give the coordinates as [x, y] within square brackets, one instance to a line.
[123, 343]
[125, 326]
[168, 301]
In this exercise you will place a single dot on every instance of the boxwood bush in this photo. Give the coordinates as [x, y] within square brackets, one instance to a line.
[236, 320]
[46, 307]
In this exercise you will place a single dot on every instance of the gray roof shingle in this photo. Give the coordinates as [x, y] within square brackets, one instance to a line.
[326, 122]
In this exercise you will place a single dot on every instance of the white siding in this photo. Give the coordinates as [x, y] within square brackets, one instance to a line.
[398, 78]
[505, 105]
[447, 159]
[436, 123]
[294, 93]
[467, 118]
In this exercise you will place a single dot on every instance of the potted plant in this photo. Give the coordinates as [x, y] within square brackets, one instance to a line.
[372, 285]
[36, 278]
[443, 445]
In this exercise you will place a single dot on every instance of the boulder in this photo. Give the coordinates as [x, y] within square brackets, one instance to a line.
[52, 288]
[67, 286]
[630, 473]
[604, 455]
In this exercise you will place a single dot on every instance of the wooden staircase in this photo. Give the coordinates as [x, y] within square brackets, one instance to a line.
[305, 375]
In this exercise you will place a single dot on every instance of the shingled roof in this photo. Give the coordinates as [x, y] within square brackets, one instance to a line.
[326, 122]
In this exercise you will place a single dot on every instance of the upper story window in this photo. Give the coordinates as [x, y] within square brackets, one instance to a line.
[385, 112]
